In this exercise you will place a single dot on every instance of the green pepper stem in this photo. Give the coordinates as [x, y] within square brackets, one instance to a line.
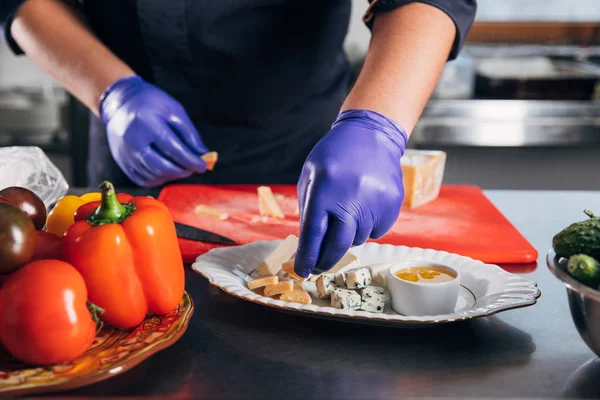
[590, 214]
[110, 210]
[96, 313]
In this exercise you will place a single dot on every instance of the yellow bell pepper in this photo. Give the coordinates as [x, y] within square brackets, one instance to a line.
[62, 215]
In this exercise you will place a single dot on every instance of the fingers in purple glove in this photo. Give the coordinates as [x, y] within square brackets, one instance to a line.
[338, 239]
[311, 238]
[188, 133]
[170, 145]
[160, 166]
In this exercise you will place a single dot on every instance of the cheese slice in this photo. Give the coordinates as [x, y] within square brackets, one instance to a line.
[288, 267]
[261, 282]
[210, 159]
[207, 211]
[349, 260]
[279, 288]
[423, 172]
[274, 261]
[297, 295]
[267, 205]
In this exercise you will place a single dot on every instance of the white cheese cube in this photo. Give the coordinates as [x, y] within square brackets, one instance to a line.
[358, 278]
[373, 302]
[371, 290]
[325, 285]
[345, 299]
[340, 280]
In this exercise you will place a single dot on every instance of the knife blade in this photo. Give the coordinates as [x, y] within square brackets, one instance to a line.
[200, 235]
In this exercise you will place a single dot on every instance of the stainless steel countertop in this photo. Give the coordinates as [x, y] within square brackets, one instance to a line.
[508, 123]
[235, 349]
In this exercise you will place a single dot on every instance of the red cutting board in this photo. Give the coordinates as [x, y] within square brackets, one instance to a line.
[461, 220]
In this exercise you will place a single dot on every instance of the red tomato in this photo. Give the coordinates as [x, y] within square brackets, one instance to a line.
[48, 246]
[44, 317]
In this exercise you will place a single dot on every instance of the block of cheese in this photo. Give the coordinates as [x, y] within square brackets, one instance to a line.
[358, 278]
[345, 299]
[373, 301]
[340, 280]
[348, 261]
[202, 209]
[298, 295]
[422, 172]
[267, 204]
[262, 282]
[325, 285]
[288, 267]
[279, 288]
[274, 261]
[210, 159]
[371, 290]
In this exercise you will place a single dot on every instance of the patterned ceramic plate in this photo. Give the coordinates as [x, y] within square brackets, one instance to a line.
[485, 290]
[114, 351]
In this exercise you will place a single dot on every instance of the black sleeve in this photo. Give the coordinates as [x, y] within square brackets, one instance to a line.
[462, 12]
[7, 12]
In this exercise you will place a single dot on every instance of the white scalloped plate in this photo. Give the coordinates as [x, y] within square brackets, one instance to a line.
[486, 289]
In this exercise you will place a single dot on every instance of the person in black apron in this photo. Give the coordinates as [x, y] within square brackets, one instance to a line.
[258, 81]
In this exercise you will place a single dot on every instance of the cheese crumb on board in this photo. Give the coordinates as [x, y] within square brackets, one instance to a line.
[325, 285]
[261, 282]
[274, 261]
[210, 159]
[358, 278]
[422, 174]
[267, 204]
[202, 209]
[345, 299]
[298, 295]
[348, 261]
[279, 288]
[288, 267]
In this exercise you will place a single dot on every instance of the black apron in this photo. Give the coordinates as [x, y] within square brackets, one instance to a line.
[262, 80]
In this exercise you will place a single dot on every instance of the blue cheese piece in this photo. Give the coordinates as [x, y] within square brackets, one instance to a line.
[371, 290]
[325, 285]
[345, 299]
[340, 280]
[373, 301]
[358, 278]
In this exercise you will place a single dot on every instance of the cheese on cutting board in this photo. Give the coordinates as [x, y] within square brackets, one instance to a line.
[274, 261]
[210, 159]
[423, 172]
[349, 260]
[210, 212]
[267, 204]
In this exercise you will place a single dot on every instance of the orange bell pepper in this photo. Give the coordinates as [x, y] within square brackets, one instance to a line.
[129, 258]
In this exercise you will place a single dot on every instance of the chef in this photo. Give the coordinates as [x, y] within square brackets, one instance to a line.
[262, 82]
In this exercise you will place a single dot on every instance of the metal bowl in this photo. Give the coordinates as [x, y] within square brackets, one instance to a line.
[584, 302]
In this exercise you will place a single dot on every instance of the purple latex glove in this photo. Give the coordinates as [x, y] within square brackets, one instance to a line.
[350, 188]
[149, 133]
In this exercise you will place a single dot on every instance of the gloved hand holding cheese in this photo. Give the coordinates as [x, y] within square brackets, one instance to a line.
[350, 188]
